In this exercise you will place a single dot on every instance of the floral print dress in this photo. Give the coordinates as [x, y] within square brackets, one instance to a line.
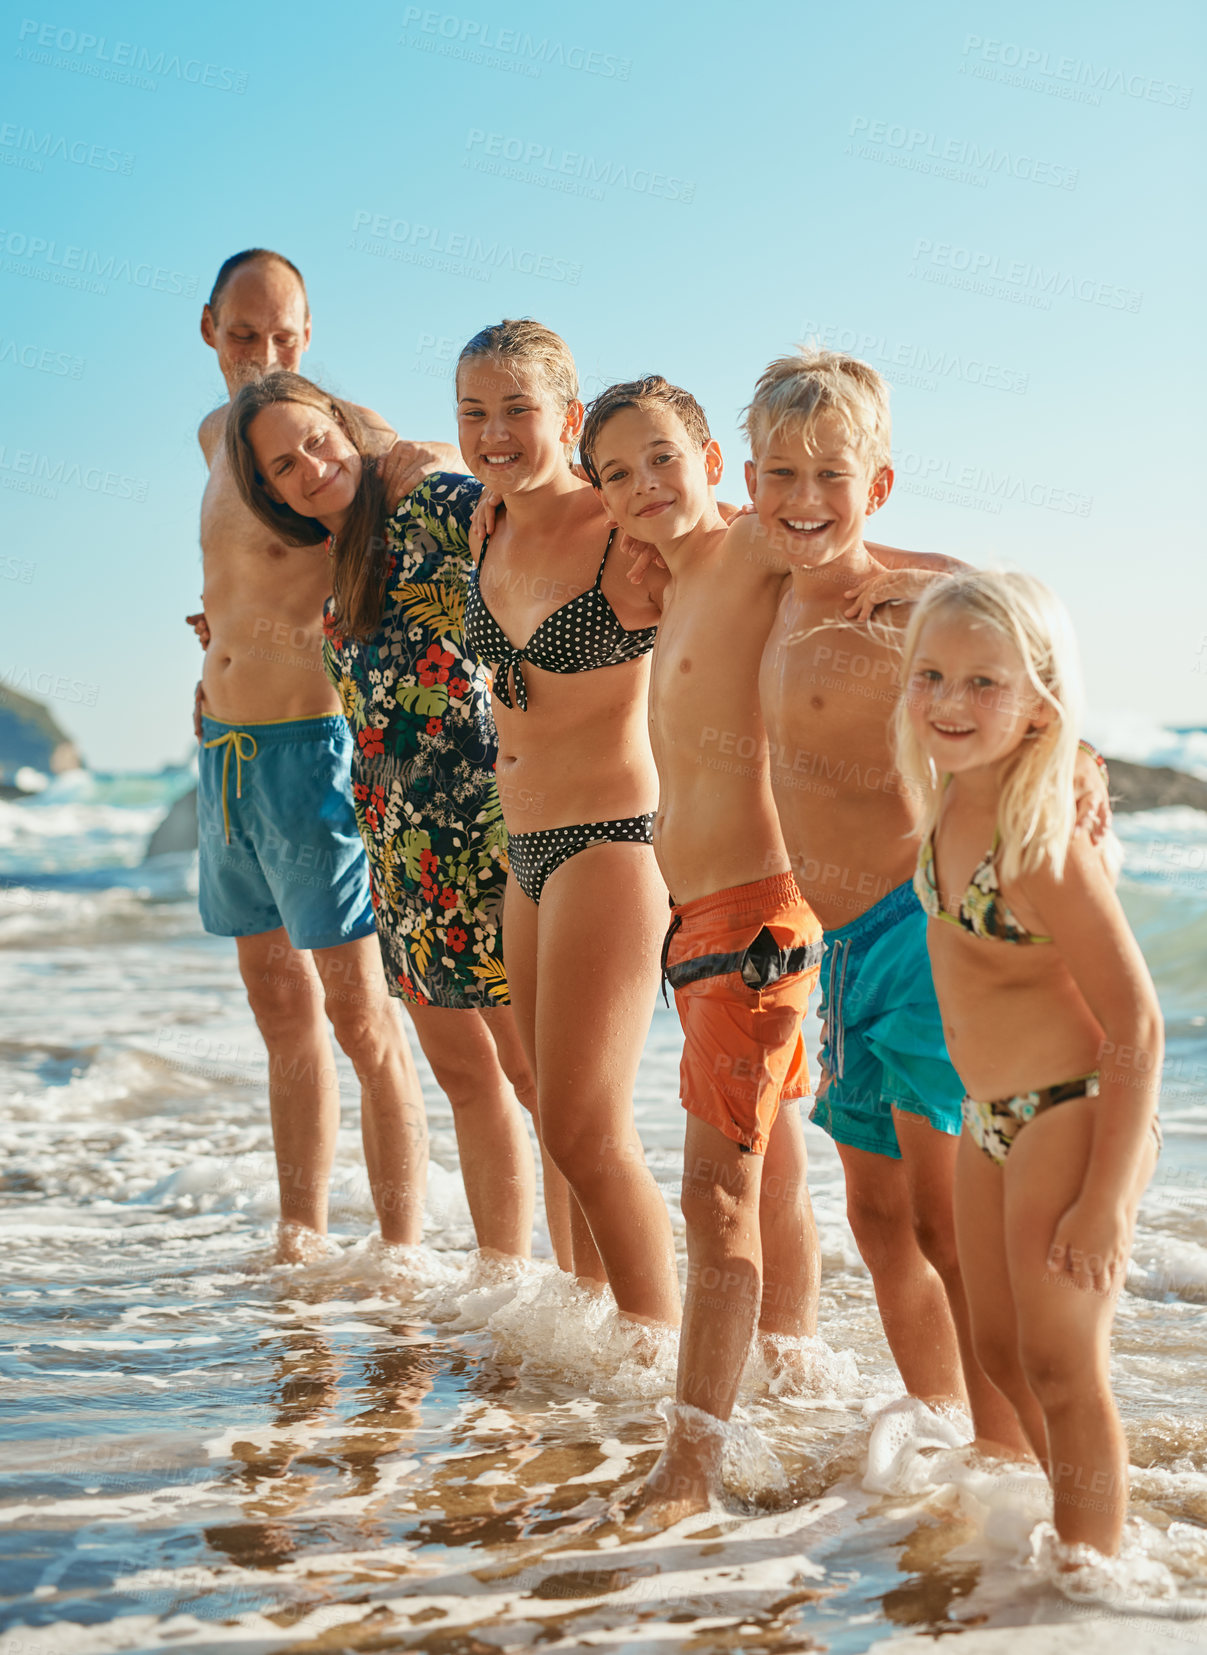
[423, 783]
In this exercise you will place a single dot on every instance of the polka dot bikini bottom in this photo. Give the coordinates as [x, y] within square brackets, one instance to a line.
[534, 856]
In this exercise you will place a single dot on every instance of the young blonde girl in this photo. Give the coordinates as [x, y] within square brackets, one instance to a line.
[1050, 1016]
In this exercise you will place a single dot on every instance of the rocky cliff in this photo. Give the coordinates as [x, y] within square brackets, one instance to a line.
[30, 737]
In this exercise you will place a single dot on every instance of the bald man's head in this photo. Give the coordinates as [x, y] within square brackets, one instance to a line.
[254, 255]
[258, 316]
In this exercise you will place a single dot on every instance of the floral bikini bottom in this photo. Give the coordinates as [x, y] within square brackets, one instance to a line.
[993, 1127]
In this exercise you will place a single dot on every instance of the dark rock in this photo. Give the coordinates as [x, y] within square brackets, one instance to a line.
[30, 735]
[178, 830]
[1152, 787]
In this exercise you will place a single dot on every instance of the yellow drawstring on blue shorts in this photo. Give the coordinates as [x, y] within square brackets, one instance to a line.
[232, 740]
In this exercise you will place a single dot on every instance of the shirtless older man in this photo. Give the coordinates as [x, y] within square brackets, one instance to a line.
[283, 870]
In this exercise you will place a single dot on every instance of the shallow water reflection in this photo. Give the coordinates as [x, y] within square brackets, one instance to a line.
[202, 1449]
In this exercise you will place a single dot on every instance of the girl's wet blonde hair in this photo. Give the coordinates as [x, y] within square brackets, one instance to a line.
[519, 344]
[1036, 809]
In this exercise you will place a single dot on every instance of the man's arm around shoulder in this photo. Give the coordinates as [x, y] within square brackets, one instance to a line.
[404, 465]
[211, 430]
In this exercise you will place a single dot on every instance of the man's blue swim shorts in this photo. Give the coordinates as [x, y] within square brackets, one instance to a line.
[278, 839]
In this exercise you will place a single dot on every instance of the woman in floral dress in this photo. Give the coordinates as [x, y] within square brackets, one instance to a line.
[423, 771]
[423, 777]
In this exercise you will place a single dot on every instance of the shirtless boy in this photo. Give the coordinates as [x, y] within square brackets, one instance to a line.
[819, 434]
[282, 867]
[743, 948]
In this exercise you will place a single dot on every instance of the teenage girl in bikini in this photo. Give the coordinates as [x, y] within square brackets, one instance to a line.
[1049, 1013]
[552, 613]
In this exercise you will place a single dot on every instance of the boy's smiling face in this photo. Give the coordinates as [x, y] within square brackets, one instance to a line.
[654, 480]
[814, 498]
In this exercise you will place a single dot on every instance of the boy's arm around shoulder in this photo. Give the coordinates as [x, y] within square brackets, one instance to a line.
[750, 554]
[646, 570]
[744, 564]
[1085, 919]
[748, 577]
[892, 557]
[902, 578]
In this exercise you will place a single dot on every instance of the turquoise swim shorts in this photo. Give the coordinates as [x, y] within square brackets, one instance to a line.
[883, 1046]
[278, 839]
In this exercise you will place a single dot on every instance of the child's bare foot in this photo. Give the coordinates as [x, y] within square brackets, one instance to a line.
[789, 1368]
[991, 1450]
[688, 1471]
[667, 1496]
[299, 1244]
[802, 1365]
[646, 1336]
[488, 1267]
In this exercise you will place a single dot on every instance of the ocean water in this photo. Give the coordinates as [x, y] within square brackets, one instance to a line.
[394, 1449]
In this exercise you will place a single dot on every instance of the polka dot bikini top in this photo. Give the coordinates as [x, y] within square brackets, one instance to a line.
[579, 637]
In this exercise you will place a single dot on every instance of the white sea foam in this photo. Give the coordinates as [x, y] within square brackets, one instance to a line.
[1124, 734]
[1155, 1572]
[437, 1433]
[906, 1438]
[1165, 1267]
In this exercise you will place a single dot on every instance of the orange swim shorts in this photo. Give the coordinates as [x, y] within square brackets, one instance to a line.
[742, 963]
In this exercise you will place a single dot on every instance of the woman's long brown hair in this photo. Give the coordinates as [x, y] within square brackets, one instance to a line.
[358, 560]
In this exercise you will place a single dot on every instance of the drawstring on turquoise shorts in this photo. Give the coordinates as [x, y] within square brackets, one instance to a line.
[231, 740]
[840, 952]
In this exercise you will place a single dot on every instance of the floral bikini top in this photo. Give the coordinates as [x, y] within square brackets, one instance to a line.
[579, 637]
[983, 910]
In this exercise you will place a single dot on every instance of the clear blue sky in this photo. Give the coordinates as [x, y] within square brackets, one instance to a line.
[998, 205]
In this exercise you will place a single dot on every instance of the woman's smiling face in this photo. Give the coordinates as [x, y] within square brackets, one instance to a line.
[306, 460]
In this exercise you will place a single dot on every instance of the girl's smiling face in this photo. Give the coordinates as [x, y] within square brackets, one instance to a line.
[969, 698]
[513, 432]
